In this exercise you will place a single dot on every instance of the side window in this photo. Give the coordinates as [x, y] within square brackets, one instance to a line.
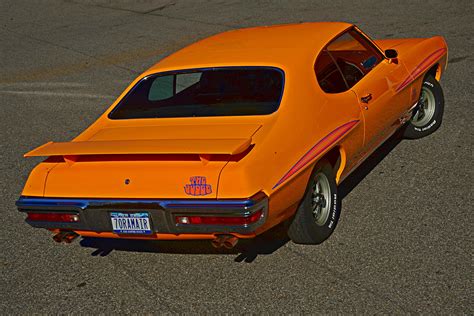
[354, 55]
[186, 80]
[328, 74]
[345, 61]
[161, 88]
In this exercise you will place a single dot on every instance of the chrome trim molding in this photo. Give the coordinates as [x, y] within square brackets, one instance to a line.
[94, 213]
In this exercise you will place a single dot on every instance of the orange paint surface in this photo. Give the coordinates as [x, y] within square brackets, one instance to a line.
[242, 155]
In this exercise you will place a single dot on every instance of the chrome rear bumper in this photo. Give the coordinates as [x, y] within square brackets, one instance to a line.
[94, 214]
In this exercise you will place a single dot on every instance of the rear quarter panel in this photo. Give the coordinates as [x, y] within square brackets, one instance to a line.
[305, 117]
[419, 58]
[35, 185]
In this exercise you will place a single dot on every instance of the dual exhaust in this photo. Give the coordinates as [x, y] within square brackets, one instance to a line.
[65, 236]
[226, 241]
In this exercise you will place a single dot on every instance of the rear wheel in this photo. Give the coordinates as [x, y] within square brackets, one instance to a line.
[319, 211]
[428, 114]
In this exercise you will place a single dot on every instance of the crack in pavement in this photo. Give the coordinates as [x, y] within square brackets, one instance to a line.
[160, 8]
[151, 13]
[228, 26]
[67, 48]
[47, 73]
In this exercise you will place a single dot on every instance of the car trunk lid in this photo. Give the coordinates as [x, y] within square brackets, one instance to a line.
[145, 162]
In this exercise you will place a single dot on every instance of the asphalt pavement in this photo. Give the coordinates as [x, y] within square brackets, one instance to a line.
[404, 243]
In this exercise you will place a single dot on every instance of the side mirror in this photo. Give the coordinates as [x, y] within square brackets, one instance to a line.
[391, 53]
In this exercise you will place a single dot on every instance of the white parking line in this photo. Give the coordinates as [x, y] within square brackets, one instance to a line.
[61, 84]
[58, 94]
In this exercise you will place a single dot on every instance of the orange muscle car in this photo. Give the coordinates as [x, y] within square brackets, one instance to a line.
[237, 133]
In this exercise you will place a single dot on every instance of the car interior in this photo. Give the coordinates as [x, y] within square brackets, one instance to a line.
[345, 61]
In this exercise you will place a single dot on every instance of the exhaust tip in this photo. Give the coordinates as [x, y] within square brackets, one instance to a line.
[217, 242]
[66, 237]
[231, 242]
[59, 237]
[226, 241]
[69, 237]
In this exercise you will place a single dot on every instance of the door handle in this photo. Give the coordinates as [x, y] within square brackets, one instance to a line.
[367, 98]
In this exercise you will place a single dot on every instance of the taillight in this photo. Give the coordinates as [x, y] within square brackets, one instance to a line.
[219, 220]
[53, 217]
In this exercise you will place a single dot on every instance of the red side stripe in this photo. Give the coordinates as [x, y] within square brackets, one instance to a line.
[317, 149]
[422, 67]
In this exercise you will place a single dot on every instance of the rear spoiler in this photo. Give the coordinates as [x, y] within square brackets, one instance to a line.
[129, 147]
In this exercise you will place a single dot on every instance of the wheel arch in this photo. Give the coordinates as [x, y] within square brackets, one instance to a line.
[336, 157]
[435, 72]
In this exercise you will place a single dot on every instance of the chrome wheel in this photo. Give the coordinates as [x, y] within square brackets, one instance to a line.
[321, 199]
[426, 108]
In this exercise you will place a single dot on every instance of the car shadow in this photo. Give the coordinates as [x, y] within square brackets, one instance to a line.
[246, 250]
[369, 164]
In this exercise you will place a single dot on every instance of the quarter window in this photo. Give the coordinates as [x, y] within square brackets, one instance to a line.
[329, 76]
[161, 88]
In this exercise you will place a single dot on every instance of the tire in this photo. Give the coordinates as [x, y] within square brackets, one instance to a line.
[314, 228]
[429, 112]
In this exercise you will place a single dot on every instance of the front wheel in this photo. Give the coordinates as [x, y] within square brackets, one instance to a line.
[428, 113]
[319, 211]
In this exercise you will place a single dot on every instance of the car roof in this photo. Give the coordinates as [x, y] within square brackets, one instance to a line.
[279, 45]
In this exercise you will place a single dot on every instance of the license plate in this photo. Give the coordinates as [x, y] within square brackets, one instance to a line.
[130, 223]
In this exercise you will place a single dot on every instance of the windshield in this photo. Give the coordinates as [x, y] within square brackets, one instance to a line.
[229, 91]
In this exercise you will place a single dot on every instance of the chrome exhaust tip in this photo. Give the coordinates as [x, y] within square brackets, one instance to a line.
[226, 241]
[63, 236]
[217, 242]
[69, 237]
[230, 242]
[59, 237]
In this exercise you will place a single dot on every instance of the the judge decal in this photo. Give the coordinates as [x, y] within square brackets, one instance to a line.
[197, 186]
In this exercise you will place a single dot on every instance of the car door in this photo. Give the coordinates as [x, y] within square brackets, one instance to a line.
[341, 107]
[373, 79]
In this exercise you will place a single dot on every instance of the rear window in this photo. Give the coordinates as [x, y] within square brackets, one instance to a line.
[230, 91]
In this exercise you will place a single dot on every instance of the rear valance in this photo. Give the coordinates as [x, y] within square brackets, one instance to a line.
[129, 147]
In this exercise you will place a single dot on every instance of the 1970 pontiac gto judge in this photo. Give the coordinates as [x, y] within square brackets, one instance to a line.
[236, 133]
